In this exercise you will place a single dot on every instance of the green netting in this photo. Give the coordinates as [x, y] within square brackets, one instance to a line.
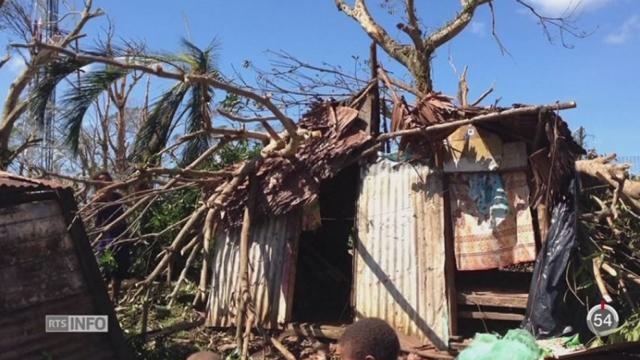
[516, 344]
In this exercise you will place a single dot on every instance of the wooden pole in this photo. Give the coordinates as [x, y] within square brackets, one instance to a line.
[244, 295]
[374, 93]
[210, 227]
[509, 114]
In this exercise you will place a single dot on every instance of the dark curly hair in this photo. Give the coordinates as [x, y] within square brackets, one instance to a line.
[105, 174]
[370, 336]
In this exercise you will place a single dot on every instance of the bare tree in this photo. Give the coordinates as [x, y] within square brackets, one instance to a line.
[416, 55]
[119, 94]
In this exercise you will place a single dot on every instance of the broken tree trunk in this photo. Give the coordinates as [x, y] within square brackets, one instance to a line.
[615, 175]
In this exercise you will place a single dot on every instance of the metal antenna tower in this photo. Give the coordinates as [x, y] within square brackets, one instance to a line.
[48, 29]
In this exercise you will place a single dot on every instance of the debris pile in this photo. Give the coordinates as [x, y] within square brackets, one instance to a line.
[609, 267]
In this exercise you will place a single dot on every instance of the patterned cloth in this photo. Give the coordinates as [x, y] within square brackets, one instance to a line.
[482, 243]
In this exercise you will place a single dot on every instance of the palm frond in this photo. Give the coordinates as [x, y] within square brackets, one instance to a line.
[155, 130]
[154, 133]
[41, 93]
[76, 102]
[197, 118]
[201, 61]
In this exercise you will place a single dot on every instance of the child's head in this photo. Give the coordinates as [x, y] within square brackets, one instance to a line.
[104, 177]
[369, 339]
[204, 355]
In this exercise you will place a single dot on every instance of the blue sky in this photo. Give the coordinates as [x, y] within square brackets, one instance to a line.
[600, 73]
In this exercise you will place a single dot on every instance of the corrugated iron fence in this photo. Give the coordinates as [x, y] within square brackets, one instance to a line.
[271, 267]
[400, 251]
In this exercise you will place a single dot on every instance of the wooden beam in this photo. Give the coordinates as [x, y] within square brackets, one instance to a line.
[374, 93]
[490, 315]
[314, 330]
[490, 298]
[494, 116]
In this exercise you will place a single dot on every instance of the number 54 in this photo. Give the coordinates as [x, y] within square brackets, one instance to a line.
[600, 319]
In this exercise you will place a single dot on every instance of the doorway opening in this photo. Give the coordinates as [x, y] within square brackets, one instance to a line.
[324, 273]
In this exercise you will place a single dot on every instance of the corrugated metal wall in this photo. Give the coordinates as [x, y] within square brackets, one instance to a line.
[272, 270]
[41, 274]
[400, 261]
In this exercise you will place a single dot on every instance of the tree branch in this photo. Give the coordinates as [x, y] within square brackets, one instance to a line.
[453, 27]
[4, 60]
[360, 13]
[262, 120]
[412, 29]
[563, 23]
[263, 100]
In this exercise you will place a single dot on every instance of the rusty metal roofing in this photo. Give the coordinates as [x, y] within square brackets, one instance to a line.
[12, 181]
[400, 263]
[289, 183]
[272, 258]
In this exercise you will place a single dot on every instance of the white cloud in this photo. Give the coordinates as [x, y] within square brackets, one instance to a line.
[625, 31]
[478, 27]
[566, 7]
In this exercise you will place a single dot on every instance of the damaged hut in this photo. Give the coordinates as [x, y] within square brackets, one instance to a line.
[47, 267]
[444, 231]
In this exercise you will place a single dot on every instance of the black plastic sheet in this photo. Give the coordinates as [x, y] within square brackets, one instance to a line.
[547, 314]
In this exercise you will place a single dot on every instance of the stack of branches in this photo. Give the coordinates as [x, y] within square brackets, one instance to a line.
[610, 262]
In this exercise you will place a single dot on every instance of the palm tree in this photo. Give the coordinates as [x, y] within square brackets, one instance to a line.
[184, 103]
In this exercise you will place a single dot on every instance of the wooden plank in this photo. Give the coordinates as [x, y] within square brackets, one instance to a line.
[614, 351]
[493, 298]
[490, 315]
[313, 330]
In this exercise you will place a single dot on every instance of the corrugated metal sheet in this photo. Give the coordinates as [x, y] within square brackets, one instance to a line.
[400, 259]
[41, 274]
[272, 269]
[8, 180]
